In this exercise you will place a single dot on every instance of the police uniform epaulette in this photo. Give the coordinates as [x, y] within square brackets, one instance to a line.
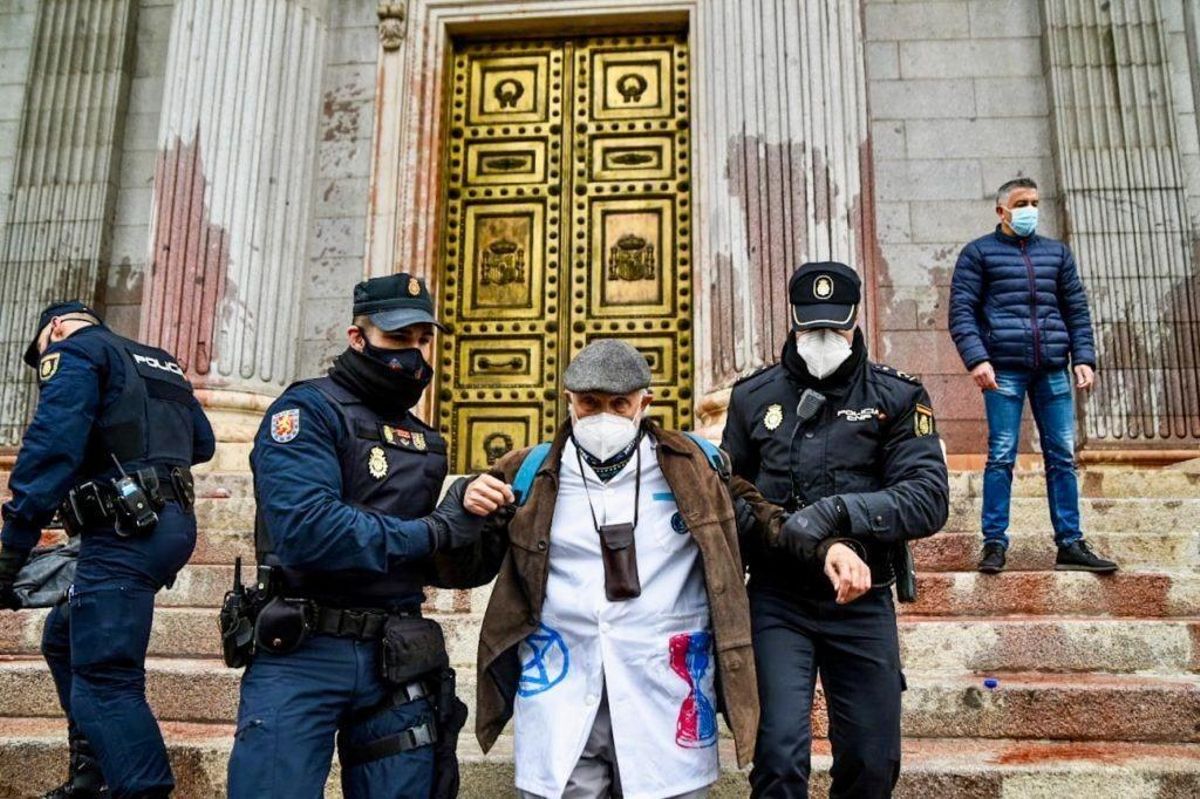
[888, 370]
[753, 376]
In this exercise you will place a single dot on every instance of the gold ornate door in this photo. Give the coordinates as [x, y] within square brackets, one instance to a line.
[568, 218]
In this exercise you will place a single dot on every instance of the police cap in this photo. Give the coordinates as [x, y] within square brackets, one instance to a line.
[607, 366]
[824, 294]
[395, 301]
[51, 311]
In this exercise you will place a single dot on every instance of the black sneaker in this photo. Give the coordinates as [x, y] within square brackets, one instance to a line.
[991, 561]
[1078, 557]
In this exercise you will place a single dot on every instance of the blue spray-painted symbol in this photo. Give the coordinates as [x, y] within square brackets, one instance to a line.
[678, 524]
[545, 661]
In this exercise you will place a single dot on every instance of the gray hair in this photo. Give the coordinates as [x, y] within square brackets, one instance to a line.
[1016, 183]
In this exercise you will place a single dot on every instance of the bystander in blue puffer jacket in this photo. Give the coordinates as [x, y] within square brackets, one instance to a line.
[1019, 303]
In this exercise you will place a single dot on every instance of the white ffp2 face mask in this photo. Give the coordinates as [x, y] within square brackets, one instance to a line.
[603, 435]
[823, 351]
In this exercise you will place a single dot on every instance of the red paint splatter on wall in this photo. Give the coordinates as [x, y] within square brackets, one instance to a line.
[190, 262]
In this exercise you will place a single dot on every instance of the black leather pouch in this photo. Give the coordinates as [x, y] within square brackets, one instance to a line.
[282, 626]
[413, 647]
[619, 554]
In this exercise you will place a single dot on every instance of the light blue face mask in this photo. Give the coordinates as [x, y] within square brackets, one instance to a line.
[1024, 220]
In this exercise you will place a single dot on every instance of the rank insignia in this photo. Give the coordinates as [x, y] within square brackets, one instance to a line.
[414, 287]
[418, 442]
[285, 425]
[377, 464]
[923, 424]
[48, 367]
[773, 417]
[389, 434]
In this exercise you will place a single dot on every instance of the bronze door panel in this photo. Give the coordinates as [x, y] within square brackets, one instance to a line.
[567, 219]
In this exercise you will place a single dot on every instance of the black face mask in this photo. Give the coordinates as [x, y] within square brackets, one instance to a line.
[406, 360]
[389, 389]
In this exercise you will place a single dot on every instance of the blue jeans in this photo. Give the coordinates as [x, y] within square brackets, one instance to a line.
[95, 645]
[1054, 413]
[292, 708]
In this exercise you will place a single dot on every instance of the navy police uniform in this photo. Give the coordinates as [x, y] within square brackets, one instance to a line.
[103, 400]
[867, 466]
[345, 493]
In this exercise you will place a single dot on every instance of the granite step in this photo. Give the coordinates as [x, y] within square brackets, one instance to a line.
[236, 514]
[1079, 707]
[33, 759]
[928, 643]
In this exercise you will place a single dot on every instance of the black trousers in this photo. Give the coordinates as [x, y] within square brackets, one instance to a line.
[855, 650]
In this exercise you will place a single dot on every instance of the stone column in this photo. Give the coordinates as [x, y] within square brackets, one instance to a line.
[1125, 198]
[231, 198]
[56, 235]
[781, 106]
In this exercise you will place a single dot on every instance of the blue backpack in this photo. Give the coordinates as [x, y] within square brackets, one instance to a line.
[537, 456]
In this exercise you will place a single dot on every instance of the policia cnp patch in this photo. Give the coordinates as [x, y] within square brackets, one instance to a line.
[48, 366]
[923, 424]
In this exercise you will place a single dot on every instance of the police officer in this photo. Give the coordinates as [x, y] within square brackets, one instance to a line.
[347, 482]
[851, 449]
[114, 434]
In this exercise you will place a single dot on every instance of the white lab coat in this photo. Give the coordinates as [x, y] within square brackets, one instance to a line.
[665, 734]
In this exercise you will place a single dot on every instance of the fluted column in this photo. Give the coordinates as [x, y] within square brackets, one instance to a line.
[1125, 198]
[781, 106]
[231, 194]
[56, 236]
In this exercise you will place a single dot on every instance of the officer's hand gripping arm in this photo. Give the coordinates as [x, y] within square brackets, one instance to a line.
[916, 500]
[477, 564]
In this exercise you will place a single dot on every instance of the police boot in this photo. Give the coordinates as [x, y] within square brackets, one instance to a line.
[84, 779]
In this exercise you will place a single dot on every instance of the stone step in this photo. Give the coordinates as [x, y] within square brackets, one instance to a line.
[1113, 483]
[1084, 707]
[236, 514]
[929, 644]
[960, 593]
[1167, 550]
[33, 759]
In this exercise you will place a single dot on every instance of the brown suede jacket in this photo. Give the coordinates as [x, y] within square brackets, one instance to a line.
[515, 548]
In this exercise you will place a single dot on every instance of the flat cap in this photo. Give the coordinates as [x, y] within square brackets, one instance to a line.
[824, 294]
[608, 366]
[395, 301]
[51, 311]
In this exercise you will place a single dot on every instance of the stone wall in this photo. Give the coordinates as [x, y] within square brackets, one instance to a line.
[121, 288]
[958, 105]
[337, 243]
[17, 19]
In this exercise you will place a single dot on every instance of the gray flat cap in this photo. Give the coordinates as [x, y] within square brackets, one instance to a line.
[608, 366]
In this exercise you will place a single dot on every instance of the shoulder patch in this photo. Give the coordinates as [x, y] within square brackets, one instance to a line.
[753, 377]
[888, 370]
[48, 366]
[923, 422]
[285, 425]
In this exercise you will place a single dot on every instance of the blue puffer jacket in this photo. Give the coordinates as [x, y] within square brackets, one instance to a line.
[1019, 303]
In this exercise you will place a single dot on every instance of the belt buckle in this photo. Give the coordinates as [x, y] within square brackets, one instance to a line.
[351, 623]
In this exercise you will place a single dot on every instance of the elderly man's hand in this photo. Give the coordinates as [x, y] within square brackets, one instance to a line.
[1085, 377]
[851, 577]
[486, 495]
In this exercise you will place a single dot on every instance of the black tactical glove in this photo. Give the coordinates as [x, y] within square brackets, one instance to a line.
[805, 529]
[451, 524]
[743, 514]
[11, 562]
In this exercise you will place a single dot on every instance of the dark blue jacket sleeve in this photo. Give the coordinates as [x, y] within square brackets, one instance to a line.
[915, 500]
[1072, 302]
[298, 485]
[966, 299]
[204, 443]
[53, 448]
